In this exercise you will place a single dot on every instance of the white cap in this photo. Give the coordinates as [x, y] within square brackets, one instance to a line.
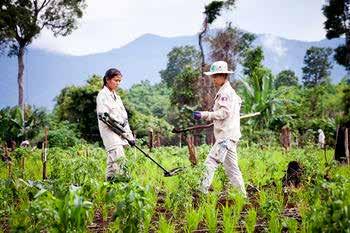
[218, 67]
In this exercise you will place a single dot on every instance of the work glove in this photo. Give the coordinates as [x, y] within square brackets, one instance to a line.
[132, 142]
[197, 115]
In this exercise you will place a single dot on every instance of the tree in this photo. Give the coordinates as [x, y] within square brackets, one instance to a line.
[78, 105]
[337, 24]
[258, 91]
[229, 44]
[178, 59]
[286, 78]
[185, 89]
[11, 123]
[317, 66]
[211, 12]
[21, 21]
[150, 99]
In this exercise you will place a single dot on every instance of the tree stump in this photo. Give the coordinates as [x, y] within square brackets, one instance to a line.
[192, 150]
[342, 149]
[285, 138]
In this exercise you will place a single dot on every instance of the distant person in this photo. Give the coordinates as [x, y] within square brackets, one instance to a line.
[109, 101]
[25, 143]
[321, 138]
[226, 118]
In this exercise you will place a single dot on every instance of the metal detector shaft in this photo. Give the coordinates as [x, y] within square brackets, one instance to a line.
[175, 130]
[160, 166]
[120, 131]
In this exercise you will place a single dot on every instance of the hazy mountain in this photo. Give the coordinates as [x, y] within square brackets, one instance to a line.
[46, 73]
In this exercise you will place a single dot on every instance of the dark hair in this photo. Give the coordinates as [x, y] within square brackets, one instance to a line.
[110, 73]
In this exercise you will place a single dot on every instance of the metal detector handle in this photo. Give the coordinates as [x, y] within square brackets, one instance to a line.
[114, 126]
[111, 123]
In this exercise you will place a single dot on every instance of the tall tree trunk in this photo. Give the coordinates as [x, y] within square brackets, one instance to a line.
[20, 79]
[347, 41]
[200, 38]
[347, 34]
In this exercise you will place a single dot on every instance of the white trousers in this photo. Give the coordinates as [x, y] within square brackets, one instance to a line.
[224, 152]
[115, 162]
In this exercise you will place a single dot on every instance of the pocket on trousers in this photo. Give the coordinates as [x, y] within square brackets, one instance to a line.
[222, 151]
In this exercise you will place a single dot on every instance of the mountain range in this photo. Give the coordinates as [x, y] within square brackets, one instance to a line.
[47, 73]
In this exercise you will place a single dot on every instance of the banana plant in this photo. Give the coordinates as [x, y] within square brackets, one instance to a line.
[259, 95]
[12, 126]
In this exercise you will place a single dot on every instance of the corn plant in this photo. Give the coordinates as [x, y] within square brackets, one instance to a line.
[239, 204]
[250, 220]
[152, 199]
[275, 225]
[211, 213]
[193, 217]
[164, 226]
[227, 219]
[292, 225]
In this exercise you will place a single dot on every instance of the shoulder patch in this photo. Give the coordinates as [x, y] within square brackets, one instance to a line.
[224, 98]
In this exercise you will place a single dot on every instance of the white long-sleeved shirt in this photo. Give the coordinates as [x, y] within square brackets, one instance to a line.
[225, 114]
[108, 101]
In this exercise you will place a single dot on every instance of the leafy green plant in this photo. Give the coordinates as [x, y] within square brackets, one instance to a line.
[164, 226]
[211, 213]
[250, 220]
[291, 224]
[193, 217]
[227, 219]
[132, 206]
[274, 224]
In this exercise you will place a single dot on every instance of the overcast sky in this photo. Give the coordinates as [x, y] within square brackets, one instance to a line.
[109, 24]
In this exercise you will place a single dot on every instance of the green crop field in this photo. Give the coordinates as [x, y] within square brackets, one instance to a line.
[76, 198]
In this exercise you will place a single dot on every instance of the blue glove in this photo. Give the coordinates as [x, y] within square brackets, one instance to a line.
[197, 115]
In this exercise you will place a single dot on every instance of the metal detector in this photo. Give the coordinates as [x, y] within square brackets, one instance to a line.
[118, 129]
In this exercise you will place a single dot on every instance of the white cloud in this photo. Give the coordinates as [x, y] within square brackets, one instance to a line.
[109, 24]
[274, 44]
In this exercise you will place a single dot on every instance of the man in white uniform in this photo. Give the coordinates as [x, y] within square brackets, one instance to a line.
[108, 101]
[226, 118]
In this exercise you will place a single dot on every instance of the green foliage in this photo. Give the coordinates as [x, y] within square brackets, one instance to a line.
[250, 220]
[193, 217]
[141, 123]
[178, 59]
[149, 99]
[252, 62]
[47, 212]
[211, 213]
[337, 24]
[184, 90]
[11, 123]
[330, 205]
[212, 10]
[275, 225]
[286, 78]
[258, 90]
[30, 17]
[78, 105]
[165, 226]
[64, 135]
[317, 66]
[227, 219]
[76, 189]
[132, 207]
